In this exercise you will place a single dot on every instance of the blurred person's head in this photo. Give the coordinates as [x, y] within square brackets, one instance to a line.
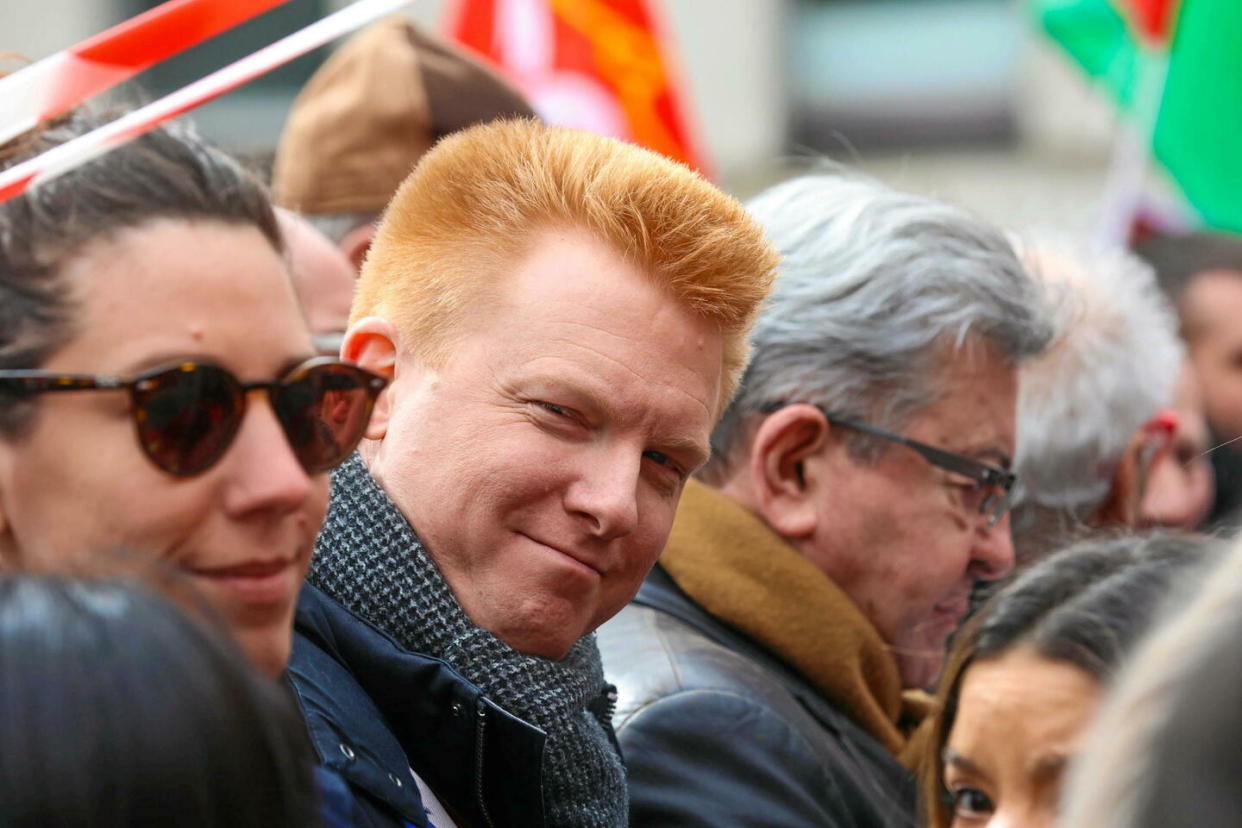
[1180, 483]
[369, 114]
[563, 318]
[1201, 273]
[1089, 409]
[1164, 749]
[898, 313]
[1026, 676]
[149, 285]
[117, 709]
[322, 277]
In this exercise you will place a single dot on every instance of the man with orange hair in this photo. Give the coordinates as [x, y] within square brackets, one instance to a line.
[563, 318]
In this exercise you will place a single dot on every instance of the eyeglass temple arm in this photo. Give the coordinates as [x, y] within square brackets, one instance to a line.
[951, 462]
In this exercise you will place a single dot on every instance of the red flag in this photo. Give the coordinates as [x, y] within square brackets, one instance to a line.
[1152, 18]
[592, 64]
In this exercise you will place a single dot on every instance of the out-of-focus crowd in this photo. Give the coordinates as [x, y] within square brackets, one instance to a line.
[508, 475]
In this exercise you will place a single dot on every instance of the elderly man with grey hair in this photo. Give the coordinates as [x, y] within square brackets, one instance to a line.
[858, 491]
[1093, 416]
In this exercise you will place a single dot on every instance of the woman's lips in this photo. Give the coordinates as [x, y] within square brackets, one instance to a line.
[254, 582]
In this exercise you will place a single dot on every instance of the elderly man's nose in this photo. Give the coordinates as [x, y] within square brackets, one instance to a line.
[992, 555]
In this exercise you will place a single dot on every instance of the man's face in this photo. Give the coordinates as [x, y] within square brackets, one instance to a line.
[323, 277]
[1180, 482]
[1211, 308]
[542, 464]
[898, 535]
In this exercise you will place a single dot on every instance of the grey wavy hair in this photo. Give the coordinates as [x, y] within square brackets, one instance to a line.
[1113, 365]
[877, 289]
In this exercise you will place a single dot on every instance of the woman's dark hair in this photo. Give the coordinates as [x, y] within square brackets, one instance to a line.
[1164, 750]
[117, 709]
[1087, 605]
[168, 173]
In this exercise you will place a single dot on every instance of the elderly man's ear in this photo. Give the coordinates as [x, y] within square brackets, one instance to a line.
[1151, 444]
[786, 469]
[373, 343]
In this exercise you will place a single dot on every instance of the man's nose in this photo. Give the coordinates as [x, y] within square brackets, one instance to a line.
[605, 494]
[992, 555]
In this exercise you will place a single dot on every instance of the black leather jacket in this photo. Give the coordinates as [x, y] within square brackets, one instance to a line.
[718, 731]
[375, 711]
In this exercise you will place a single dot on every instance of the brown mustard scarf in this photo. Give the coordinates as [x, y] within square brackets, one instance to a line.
[725, 558]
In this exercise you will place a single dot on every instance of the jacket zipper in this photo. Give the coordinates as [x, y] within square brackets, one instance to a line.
[478, 767]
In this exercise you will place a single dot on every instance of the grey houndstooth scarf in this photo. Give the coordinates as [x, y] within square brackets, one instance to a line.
[371, 562]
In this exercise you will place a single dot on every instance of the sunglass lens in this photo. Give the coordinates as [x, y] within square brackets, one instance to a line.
[324, 410]
[187, 416]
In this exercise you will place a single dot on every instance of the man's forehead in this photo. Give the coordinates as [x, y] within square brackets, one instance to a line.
[976, 412]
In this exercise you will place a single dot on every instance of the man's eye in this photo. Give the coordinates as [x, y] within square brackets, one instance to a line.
[971, 802]
[972, 493]
[562, 419]
[660, 457]
[664, 461]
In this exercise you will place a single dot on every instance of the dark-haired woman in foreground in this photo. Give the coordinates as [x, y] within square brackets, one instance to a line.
[1026, 676]
[117, 709]
[158, 389]
[1164, 750]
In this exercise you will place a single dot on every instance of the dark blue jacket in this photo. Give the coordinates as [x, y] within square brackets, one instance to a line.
[375, 711]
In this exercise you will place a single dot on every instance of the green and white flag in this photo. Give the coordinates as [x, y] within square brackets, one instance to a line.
[1176, 69]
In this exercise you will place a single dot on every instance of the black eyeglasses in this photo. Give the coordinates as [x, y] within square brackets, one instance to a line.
[991, 494]
[187, 414]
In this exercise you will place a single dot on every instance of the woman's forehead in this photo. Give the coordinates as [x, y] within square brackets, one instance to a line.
[204, 287]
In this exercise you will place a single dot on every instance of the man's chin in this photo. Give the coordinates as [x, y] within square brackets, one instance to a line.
[920, 672]
[542, 636]
[552, 645]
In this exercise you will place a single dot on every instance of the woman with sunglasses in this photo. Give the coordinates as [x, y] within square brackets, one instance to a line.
[158, 385]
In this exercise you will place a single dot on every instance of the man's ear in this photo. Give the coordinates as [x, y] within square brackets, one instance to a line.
[783, 491]
[356, 244]
[373, 343]
[8, 545]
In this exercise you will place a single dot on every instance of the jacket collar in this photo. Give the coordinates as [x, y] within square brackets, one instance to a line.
[374, 710]
[731, 564]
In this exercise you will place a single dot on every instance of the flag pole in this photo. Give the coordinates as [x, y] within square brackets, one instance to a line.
[1123, 189]
[1154, 24]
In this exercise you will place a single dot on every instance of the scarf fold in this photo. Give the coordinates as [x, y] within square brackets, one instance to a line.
[369, 559]
[725, 558]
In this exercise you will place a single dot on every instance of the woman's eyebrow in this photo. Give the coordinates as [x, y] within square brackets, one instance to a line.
[952, 757]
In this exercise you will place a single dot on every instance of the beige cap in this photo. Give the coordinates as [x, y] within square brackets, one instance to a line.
[370, 112]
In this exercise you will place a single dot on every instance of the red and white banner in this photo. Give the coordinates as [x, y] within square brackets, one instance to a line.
[61, 81]
[592, 64]
[21, 177]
